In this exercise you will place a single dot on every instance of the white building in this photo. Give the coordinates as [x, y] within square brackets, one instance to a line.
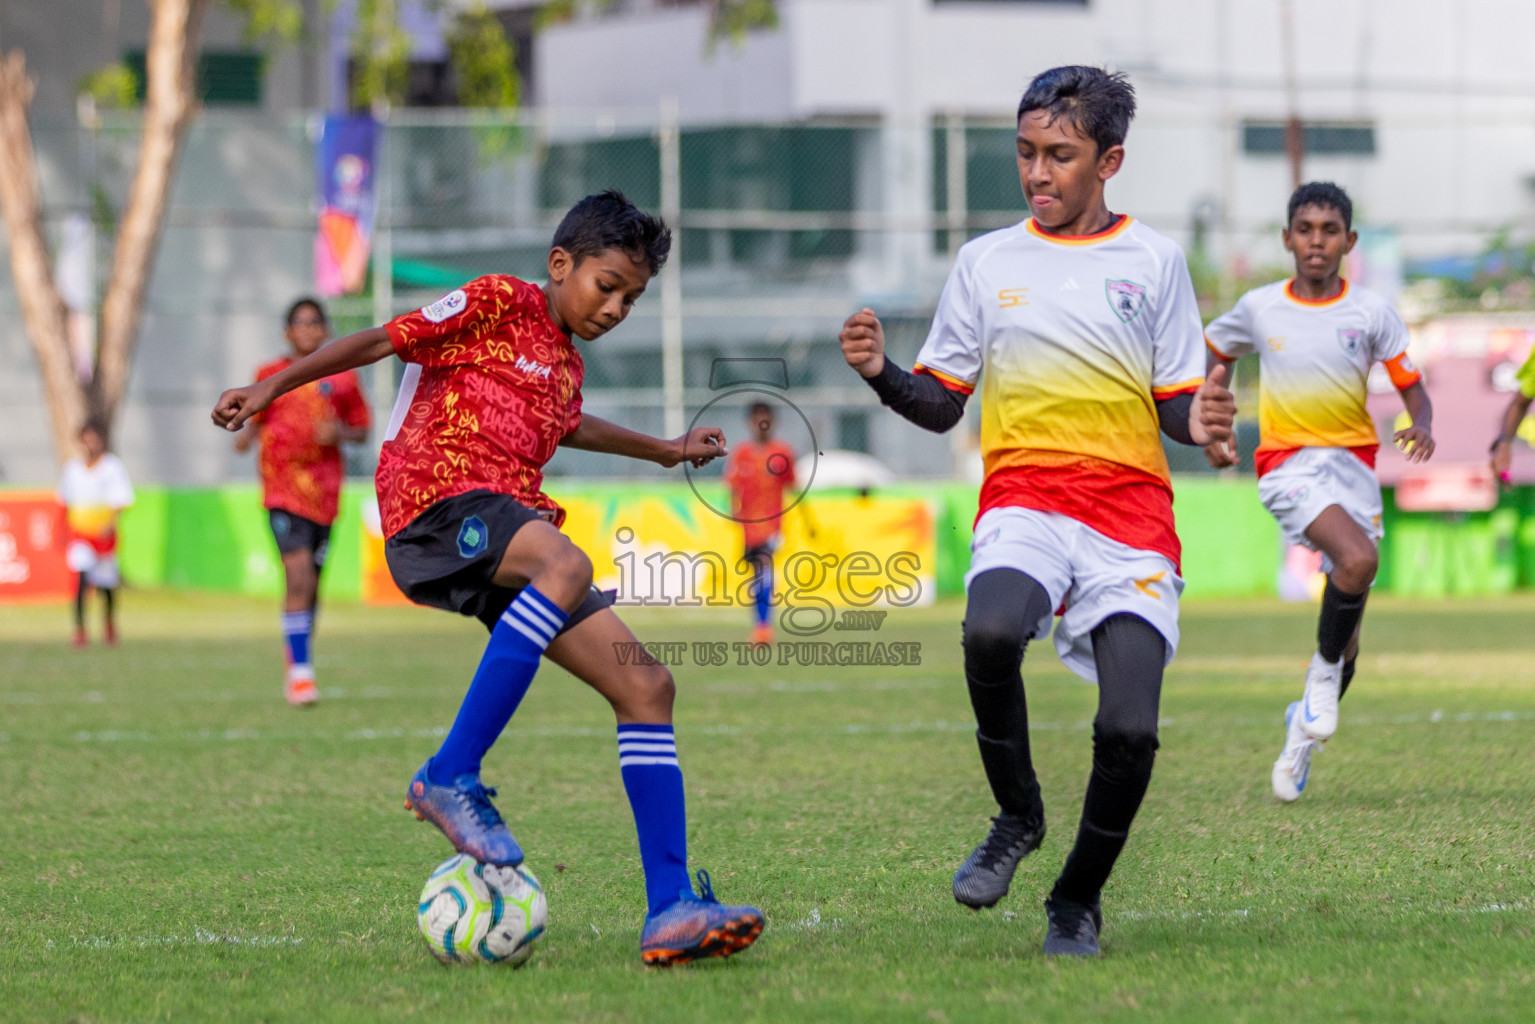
[1426, 113]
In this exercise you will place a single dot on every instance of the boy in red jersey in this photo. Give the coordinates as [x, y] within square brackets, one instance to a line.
[1081, 327]
[492, 387]
[301, 434]
[757, 473]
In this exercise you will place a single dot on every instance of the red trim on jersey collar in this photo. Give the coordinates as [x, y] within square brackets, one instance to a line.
[1097, 236]
[1289, 293]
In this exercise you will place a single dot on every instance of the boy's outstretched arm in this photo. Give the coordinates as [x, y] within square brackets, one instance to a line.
[698, 446]
[1417, 441]
[237, 405]
[1503, 445]
[918, 397]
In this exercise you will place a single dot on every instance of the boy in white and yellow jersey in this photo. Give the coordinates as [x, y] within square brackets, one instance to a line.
[1317, 337]
[1081, 329]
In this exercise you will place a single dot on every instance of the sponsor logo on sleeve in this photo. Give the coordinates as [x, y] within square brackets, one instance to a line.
[450, 304]
[1125, 298]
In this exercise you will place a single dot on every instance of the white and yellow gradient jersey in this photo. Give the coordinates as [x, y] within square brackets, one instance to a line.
[1072, 340]
[1315, 359]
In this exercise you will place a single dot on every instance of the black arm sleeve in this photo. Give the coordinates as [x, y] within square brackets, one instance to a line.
[1173, 414]
[918, 397]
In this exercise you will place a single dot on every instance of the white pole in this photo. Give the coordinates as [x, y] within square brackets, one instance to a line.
[671, 278]
[382, 377]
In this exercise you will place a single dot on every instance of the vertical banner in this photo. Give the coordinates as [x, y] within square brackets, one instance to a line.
[344, 166]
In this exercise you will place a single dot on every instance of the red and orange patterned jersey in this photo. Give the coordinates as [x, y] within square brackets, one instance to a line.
[492, 387]
[757, 475]
[298, 474]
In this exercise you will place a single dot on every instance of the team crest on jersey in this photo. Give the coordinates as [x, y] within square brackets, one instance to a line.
[1351, 340]
[1125, 298]
[450, 304]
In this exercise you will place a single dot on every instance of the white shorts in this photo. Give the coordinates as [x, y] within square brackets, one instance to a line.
[1089, 575]
[1313, 478]
[100, 570]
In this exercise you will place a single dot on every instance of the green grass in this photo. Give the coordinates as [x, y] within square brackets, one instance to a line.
[178, 844]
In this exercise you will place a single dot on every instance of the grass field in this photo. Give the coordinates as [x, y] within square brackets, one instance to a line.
[178, 844]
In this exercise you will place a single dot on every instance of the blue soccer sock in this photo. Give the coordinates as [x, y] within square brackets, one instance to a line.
[764, 596]
[296, 627]
[647, 758]
[505, 673]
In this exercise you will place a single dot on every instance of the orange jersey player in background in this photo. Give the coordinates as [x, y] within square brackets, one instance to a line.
[301, 472]
[758, 472]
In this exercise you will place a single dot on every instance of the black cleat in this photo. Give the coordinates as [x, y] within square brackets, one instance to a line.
[984, 877]
[1074, 927]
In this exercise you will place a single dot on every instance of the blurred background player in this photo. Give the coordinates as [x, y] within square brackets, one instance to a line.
[1317, 337]
[1518, 407]
[1082, 328]
[301, 434]
[758, 471]
[94, 490]
[492, 386]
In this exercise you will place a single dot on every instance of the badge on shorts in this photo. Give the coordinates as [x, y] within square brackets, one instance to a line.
[1351, 340]
[1125, 298]
[472, 537]
[981, 541]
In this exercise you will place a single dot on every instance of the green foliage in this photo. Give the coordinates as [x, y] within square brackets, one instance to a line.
[178, 841]
[112, 87]
[483, 60]
[732, 19]
[381, 53]
[280, 21]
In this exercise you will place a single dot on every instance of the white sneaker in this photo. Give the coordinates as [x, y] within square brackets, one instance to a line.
[1294, 763]
[1319, 704]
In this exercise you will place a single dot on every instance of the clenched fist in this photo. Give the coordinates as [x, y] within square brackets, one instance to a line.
[863, 343]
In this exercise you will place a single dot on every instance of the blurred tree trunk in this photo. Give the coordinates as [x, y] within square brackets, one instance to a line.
[169, 105]
[42, 307]
[170, 70]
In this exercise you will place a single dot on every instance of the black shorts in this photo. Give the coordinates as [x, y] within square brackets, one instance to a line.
[448, 556]
[759, 554]
[295, 533]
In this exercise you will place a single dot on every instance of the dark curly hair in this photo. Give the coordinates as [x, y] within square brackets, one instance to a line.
[607, 221]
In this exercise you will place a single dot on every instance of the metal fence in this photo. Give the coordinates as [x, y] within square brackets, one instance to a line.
[782, 230]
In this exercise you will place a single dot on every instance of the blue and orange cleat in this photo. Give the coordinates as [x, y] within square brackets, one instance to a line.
[698, 927]
[465, 815]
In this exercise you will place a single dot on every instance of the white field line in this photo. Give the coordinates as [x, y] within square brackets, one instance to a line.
[1244, 913]
[606, 732]
[199, 937]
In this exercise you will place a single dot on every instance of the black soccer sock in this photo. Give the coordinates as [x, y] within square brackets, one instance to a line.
[108, 603]
[1348, 673]
[1004, 608]
[1130, 655]
[1340, 616]
[80, 588]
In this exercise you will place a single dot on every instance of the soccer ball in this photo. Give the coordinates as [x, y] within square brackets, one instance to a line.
[480, 913]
